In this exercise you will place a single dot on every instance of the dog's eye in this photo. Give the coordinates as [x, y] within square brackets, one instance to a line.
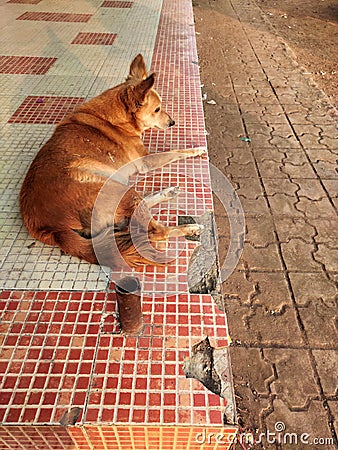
[158, 109]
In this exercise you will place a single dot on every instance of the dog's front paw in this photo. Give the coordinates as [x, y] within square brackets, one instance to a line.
[198, 151]
[192, 230]
[171, 192]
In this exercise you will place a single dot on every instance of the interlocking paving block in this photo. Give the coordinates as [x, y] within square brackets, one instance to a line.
[95, 38]
[319, 319]
[327, 232]
[251, 194]
[311, 189]
[309, 424]
[262, 258]
[324, 162]
[299, 255]
[295, 395]
[321, 288]
[25, 64]
[245, 321]
[328, 256]
[283, 163]
[45, 109]
[240, 165]
[317, 136]
[294, 228]
[282, 196]
[54, 17]
[279, 135]
[267, 289]
[258, 369]
[326, 362]
[314, 209]
[259, 231]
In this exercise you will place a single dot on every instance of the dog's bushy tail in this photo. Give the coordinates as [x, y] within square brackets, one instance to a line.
[115, 248]
[110, 248]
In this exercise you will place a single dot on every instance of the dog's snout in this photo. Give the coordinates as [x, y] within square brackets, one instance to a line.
[171, 123]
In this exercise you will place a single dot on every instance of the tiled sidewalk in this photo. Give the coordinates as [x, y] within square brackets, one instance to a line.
[59, 345]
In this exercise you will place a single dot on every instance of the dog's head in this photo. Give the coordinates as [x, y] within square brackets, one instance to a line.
[142, 100]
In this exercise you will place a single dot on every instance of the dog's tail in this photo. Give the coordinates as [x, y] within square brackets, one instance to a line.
[110, 248]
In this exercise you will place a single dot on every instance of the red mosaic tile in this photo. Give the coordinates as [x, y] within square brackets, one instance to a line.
[25, 2]
[45, 110]
[95, 38]
[54, 17]
[112, 4]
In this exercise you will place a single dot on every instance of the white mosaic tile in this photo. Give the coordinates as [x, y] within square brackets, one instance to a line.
[82, 71]
[9, 105]
[27, 263]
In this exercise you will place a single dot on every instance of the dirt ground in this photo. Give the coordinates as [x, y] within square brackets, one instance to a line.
[309, 30]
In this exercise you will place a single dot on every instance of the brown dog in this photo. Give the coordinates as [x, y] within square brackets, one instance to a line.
[87, 149]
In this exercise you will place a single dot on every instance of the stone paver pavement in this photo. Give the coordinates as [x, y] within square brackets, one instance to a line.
[281, 299]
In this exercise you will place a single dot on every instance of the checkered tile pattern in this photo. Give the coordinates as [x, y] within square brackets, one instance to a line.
[112, 4]
[94, 39]
[114, 437]
[54, 17]
[59, 351]
[25, 64]
[45, 109]
[25, 2]
[173, 73]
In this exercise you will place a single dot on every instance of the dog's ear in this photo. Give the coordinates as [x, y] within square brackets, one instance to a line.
[138, 69]
[141, 89]
[133, 96]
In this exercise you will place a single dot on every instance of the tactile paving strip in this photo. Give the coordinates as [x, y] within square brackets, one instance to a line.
[25, 64]
[95, 38]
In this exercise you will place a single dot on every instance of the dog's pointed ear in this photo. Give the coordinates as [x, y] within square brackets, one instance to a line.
[138, 68]
[133, 96]
[142, 89]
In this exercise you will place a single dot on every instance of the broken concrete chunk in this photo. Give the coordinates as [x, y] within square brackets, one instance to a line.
[211, 366]
[203, 270]
[201, 366]
[70, 417]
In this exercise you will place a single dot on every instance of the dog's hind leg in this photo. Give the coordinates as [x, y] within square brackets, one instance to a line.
[163, 233]
[162, 196]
